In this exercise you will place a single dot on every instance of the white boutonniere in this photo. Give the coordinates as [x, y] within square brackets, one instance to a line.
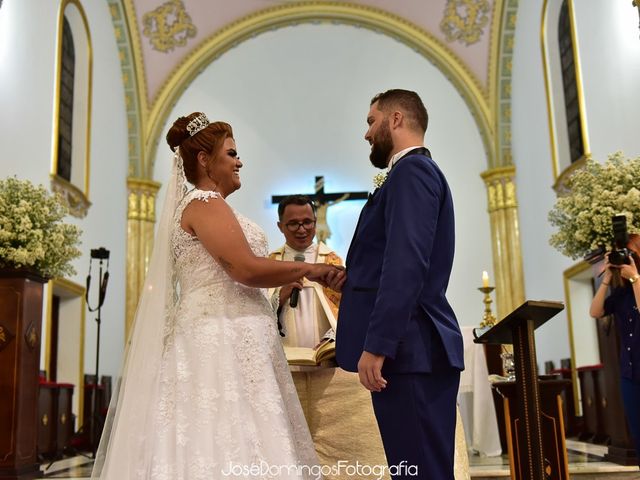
[379, 179]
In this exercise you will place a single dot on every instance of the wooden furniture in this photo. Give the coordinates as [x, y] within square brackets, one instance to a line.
[47, 399]
[20, 323]
[105, 381]
[591, 382]
[55, 418]
[621, 447]
[65, 424]
[552, 426]
[518, 329]
[494, 367]
[573, 423]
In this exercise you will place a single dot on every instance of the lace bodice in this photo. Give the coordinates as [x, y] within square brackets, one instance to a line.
[219, 391]
[204, 286]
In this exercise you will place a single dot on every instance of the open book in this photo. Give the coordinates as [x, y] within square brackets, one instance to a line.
[325, 350]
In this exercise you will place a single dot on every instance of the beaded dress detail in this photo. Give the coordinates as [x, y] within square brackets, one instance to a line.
[226, 400]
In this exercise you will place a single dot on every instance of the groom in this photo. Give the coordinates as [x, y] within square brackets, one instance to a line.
[396, 328]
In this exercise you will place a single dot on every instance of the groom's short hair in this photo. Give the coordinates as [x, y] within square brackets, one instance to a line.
[406, 101]
[295, 200]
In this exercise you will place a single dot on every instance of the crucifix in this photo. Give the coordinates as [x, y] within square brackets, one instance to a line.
[323, 201]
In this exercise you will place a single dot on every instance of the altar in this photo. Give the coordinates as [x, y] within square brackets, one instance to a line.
[475, 400]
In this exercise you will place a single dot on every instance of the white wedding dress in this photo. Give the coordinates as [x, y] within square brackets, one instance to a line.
[225, 402]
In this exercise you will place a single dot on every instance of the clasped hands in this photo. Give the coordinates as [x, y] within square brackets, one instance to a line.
[325, 274]
[328, 275]
[370, 364]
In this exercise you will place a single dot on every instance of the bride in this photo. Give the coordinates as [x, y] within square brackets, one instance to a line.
[206, 391]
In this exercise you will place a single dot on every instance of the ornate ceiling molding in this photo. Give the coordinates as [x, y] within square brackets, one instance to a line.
[168, 26]
[468, 28]
[317, 12]
[133, 92]
[503, 71]
[490, 104]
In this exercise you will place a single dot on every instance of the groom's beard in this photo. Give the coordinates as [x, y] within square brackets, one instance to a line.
[382, 146]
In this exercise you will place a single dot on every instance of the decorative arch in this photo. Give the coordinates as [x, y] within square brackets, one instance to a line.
[318, 12]
[490, 107]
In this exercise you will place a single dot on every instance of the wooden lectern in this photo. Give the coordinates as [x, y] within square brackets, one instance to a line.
[517, 328]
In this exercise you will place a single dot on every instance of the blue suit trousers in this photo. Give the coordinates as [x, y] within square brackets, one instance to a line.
[416, 414]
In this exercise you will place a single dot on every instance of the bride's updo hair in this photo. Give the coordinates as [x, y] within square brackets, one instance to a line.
[208, 140]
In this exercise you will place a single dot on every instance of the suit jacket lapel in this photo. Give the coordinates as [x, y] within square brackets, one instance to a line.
[355, 234]
[416, 151]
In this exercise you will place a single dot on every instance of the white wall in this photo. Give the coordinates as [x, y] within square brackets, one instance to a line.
[28, 31]
[543, 266]
[609, 50]
[27, 62]
[609, 44]
[297, 99]
[105, 225]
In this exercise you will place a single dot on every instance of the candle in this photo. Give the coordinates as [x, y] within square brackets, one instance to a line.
[485, 279]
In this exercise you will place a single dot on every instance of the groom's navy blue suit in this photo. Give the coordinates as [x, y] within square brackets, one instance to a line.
[393, 304]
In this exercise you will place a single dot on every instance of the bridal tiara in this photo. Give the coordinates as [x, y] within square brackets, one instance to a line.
[197, 124]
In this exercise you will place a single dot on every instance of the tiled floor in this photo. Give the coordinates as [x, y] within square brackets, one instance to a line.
[585, 463]
[75, 467]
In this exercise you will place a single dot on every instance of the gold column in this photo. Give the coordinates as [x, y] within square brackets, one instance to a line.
[505, 238]
[141, 218]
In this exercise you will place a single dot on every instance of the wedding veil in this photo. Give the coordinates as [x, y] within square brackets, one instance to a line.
[124, 447]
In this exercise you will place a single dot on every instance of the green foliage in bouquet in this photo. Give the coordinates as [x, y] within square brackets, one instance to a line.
[32, 235]
[596, 193]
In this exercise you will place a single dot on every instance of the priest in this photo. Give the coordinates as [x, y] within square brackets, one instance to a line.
[338, 410]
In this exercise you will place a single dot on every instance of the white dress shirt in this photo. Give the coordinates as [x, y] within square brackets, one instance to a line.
[401, 154]
[305, 312]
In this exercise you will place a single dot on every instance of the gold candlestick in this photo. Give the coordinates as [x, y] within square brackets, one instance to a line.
[488, 319]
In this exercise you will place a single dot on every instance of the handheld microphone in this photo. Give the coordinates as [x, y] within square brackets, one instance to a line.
[295, 293]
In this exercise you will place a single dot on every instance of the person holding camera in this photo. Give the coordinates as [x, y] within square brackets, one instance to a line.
[622, 280]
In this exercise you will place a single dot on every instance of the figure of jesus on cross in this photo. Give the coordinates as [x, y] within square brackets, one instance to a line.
[322, 202]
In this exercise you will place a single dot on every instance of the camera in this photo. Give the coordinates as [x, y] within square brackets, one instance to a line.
[620, 254]
[100, 253]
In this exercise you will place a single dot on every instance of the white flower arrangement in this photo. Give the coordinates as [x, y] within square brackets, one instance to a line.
[597, 192]
[32, 235]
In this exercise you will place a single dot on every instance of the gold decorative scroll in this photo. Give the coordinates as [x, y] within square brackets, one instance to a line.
[141, 217]
[168, 26]
[467, 28]
[505, 238]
